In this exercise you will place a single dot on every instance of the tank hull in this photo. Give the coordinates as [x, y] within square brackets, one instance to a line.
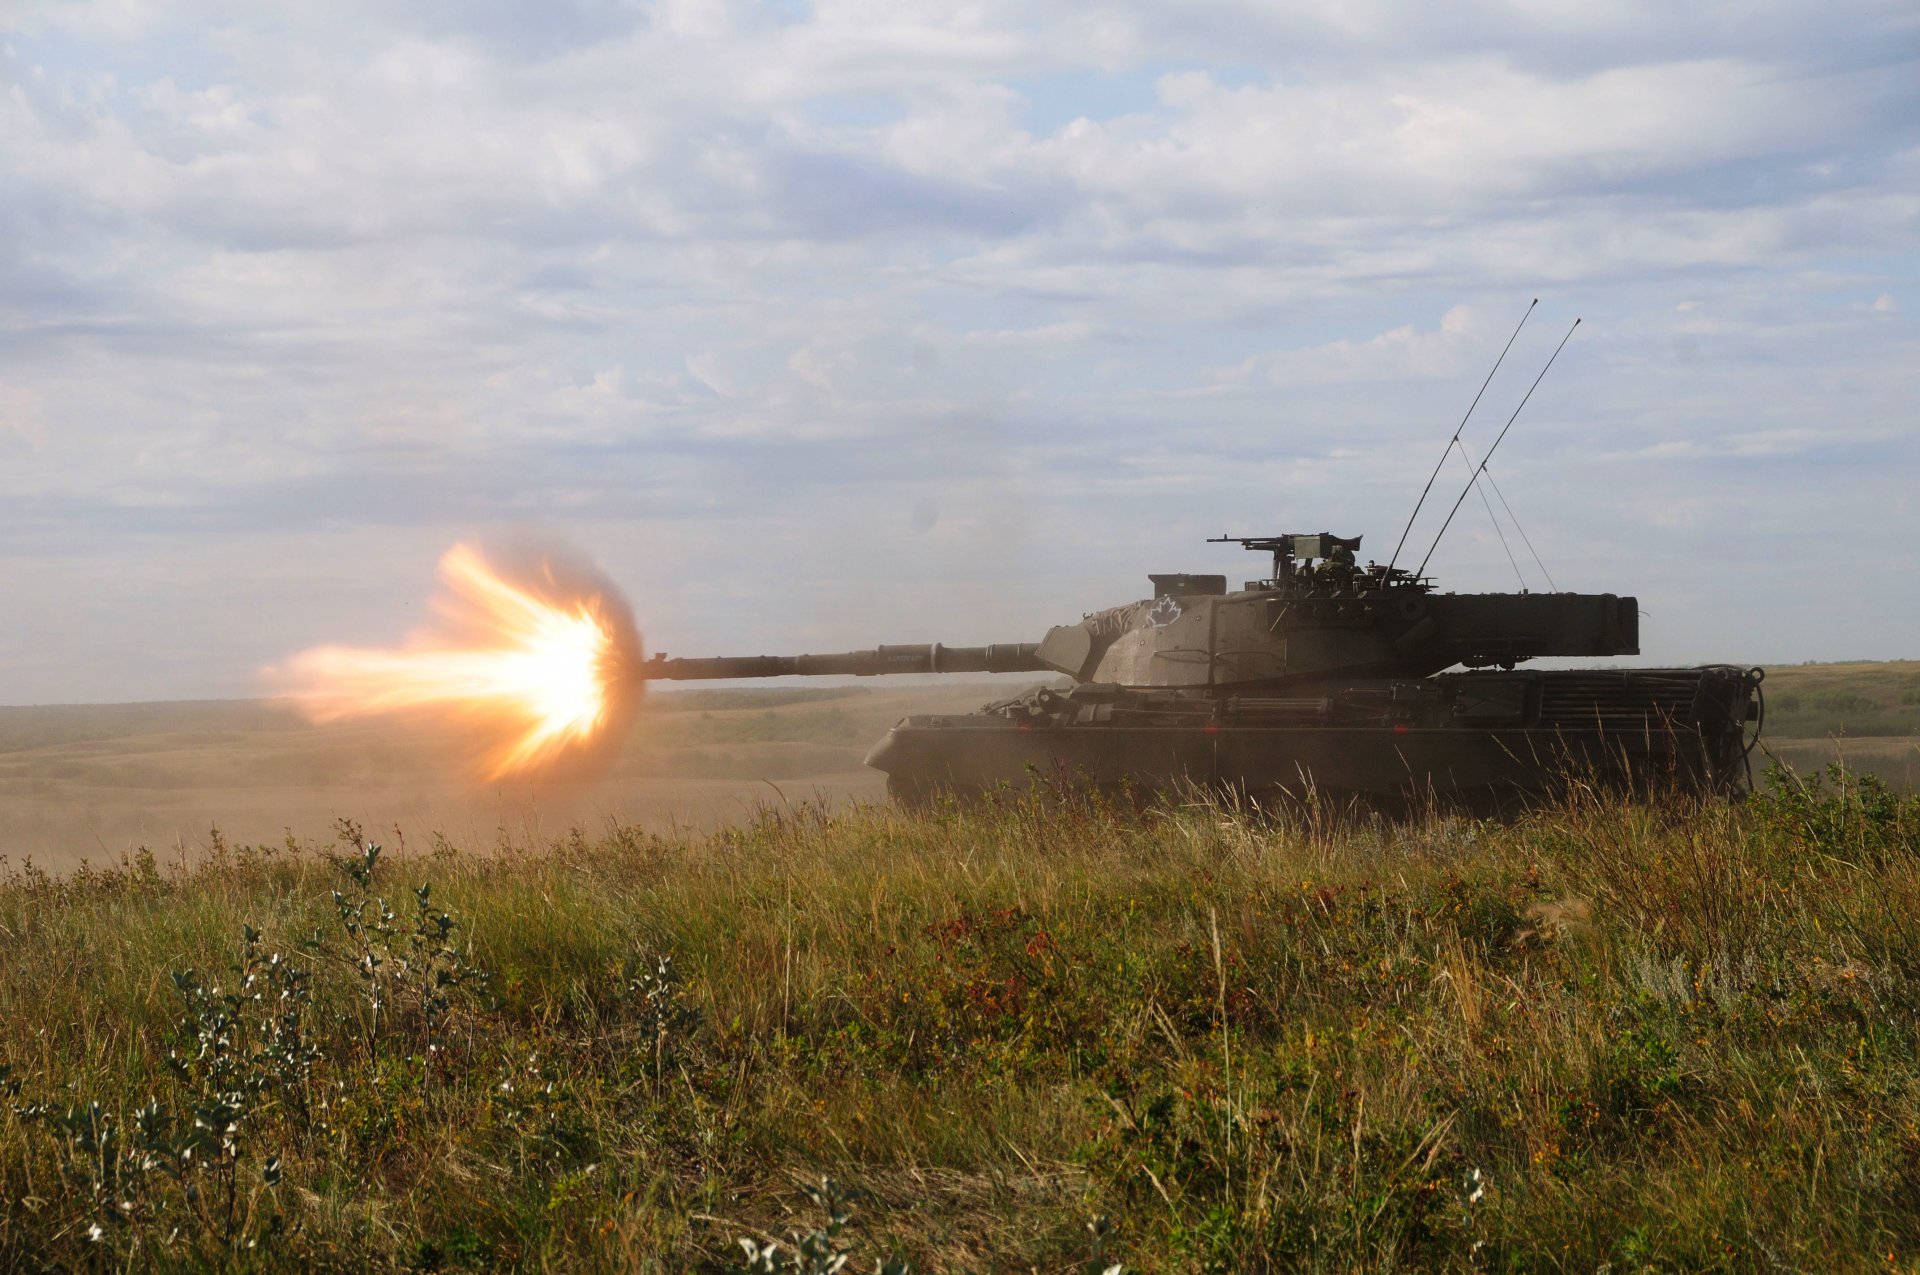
[1469, 739]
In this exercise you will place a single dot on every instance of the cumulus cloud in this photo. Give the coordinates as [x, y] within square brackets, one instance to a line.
[739, 292]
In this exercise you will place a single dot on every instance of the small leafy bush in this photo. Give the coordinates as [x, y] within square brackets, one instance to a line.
[413, 975]
[180, 1165]
[1844, 814]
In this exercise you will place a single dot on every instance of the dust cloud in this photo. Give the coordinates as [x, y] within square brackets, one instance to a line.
[96, 782]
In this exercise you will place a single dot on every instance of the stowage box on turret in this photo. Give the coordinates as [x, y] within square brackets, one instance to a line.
[1324, 677]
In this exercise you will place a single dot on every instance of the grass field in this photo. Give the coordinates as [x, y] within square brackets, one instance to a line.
[1047, 1035]
[627, 1025]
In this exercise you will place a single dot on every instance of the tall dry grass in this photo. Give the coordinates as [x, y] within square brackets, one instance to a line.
[1047, 1034]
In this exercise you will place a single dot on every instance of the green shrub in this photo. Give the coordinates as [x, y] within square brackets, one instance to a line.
[1842, 814]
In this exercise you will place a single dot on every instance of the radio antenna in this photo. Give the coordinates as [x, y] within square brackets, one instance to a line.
[1482, 467]
[1454, 441]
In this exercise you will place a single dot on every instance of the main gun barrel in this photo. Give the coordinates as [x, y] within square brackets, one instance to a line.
[1003, 657]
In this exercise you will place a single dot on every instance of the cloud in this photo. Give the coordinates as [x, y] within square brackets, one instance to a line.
[1402, 353]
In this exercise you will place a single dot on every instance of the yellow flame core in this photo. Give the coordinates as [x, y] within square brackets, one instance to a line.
[537, 670]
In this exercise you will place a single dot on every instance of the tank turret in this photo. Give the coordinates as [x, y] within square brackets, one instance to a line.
[1320, 615]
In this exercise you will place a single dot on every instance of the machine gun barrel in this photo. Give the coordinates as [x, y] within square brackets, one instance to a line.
[1004, 657]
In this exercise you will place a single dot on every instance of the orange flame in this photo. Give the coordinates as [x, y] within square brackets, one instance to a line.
[542, 667]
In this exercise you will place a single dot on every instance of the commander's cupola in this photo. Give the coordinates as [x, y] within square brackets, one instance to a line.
[1306, 562]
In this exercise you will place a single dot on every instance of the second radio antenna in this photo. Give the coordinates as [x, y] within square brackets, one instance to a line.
[1454, 441]
[1482, 467]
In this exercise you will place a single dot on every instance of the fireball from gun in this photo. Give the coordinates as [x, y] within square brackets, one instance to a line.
[540, 662]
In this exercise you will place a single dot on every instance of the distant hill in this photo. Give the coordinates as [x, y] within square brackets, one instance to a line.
[1866, 714]
[1858, 699]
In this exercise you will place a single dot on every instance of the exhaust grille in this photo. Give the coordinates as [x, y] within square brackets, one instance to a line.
[1626, 700]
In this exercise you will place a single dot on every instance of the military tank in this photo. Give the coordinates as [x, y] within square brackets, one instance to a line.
[1323, 677]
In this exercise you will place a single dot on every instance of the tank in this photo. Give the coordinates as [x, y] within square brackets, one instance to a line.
[1323, 679]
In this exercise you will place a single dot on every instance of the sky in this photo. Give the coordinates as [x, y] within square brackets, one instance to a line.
[824, 325]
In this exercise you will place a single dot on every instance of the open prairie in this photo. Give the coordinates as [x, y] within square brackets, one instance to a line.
[96, 781]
